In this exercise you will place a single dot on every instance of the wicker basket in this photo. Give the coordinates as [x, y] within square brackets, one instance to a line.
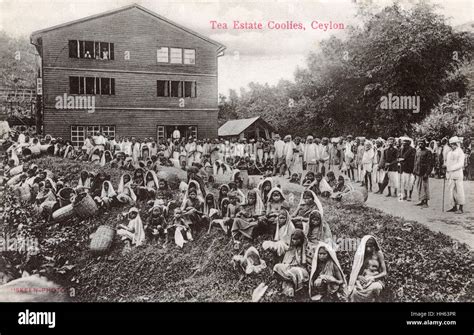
[64, 196]
[85, 206]
[64, 213]
[102, 239]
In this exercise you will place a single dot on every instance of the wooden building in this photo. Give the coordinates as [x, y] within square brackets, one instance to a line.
[246, 128]
[127, 72]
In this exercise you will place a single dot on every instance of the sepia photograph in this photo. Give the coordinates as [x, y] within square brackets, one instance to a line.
[270, 151]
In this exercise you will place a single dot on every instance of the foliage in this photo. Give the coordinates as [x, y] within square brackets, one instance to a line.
[405, 53]
[17, 62]
[450, 117]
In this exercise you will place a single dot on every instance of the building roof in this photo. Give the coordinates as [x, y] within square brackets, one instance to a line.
[121, 9]
[235, 127]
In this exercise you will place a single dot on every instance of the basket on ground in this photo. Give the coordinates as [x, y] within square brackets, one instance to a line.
[64, 196]
[102, 239]
[64, 213]
[84, 206]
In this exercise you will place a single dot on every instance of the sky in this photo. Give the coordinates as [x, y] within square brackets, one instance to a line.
[264, 55]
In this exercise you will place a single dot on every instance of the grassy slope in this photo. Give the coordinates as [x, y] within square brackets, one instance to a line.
[422, 265]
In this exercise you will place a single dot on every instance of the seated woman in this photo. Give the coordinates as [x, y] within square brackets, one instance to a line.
[308, 179]
[320, 186]
[317, 230]
[106, 158]
[340, 188]
[209, 204]
[331, 179]
[181, 228]
[164, 192]
[108, 196]
[240, 195]
[223, 192]
[85, 182]
[125, 193]
[221, 217]
[282, 238]
[193, 205]
[308, 203]
[276, 202]
[97, 181]
[138, 184]
[247, 215]
[371, 286]
[292, 270]
[133, 233]
[151, 184]
[69, 150]
[46, 197]
[95, 156]
[327, 281]
[156, 226]
[264, 188]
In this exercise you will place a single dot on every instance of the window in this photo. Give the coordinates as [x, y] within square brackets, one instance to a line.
[73, 49]
[176, 89]
[80, 133]
[160, 132]
[92, 85]
[77, 136]
[74, 85]
[91, 50]
[163, 88]
[176, 55]
[189, 56]
[189, 89]
[108, 131]
[162, 55]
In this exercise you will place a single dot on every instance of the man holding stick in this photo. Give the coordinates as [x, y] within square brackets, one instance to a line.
[454, 175]
[422, 168]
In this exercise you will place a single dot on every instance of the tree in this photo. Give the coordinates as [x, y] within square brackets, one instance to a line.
[17, 62]
[448, 118]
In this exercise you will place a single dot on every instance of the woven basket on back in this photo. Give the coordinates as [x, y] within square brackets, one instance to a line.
[64, 213]
[84, 206]
[102, 239]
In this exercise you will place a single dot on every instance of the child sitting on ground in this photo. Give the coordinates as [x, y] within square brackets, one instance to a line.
[295, 178]
[156, 227]
[371, 270]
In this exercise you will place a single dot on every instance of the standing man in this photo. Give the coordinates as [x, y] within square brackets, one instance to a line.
[324, 156]
[422, 168]
[176, 134]
[379, 172]
[279, 156]
[455, 176]
[360, 153]
[288, 154]
[311, 156]
[391, 160]
[407, 162]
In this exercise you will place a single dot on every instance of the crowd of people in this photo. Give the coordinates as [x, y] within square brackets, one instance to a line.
[301, 240]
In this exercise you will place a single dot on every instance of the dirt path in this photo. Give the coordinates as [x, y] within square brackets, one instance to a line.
[459, 226]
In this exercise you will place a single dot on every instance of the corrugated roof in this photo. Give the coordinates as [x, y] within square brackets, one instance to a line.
[235, 127]
[155, 15]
